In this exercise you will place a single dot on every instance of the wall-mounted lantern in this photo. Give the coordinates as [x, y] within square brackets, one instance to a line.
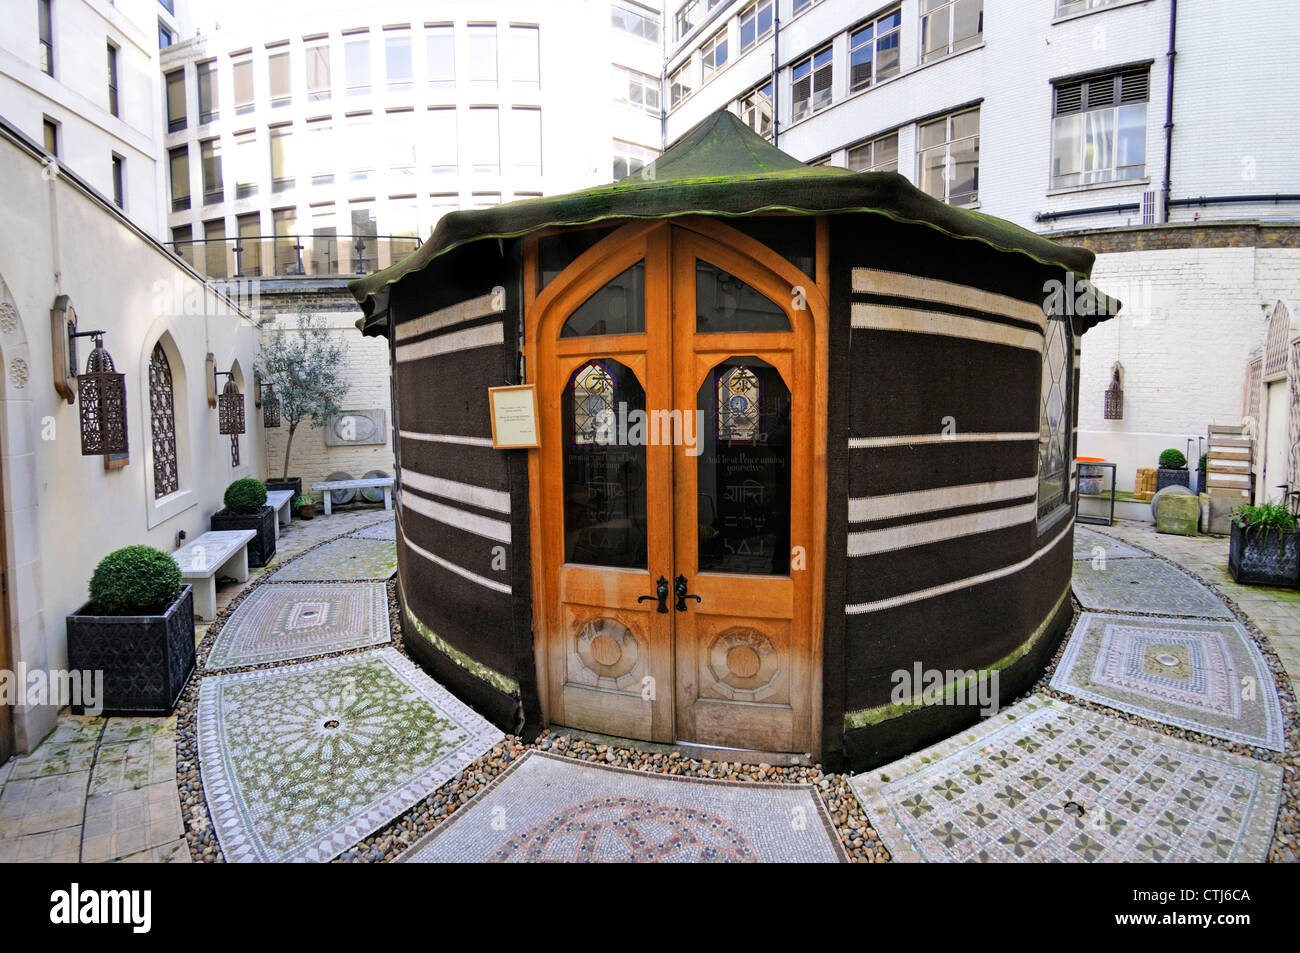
[270, 405]
[1115, 394]
[230, 404]
[102, 393]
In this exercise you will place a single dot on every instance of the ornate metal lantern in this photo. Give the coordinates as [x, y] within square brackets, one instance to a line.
[102, 393]
[270, 408]
[230, 409]
[1115, 395]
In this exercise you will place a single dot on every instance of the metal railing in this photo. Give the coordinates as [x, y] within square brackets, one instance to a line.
[249, 256]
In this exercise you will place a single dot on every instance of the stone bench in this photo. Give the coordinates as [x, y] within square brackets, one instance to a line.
[212, 554]
[282, 502]
[384, 483]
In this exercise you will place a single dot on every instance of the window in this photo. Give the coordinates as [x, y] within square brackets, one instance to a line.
[680, 84]
[442, 203]
[755, 23]
[877, 155]
[685, 19]
[401, 144]
[179, 164]
[950, 25]
[320, 147]
[207, 76]
[948, 155]
[183, 242]
[210, 159]
[630, 158]
[282, 168]
[484, 199]
[873, 51]
[361, 151]
[119, 181]
[1067, 7]
[526, 136]
[356, 57]
[636, 89]
[637, 21]
[365, 244]
[1053, 422]
[112, 79]
[50, 130]
[483, 55]
[45, 30]
[165, 36]
[810, 88]
[324, 241]
[441, 134]
[168, 5]
[285, 223]
[802, 5]
[402, 223]
[318, 72]
[713, 54]
[214, 249]
[176, 100]
[1099, 129]
[525, 57]
[484, 140]
[246, 165]
[755, 109]
[241, 70]
[277, 65]
[397, 57]
[162, 424]
[249, 249]
[440, 43]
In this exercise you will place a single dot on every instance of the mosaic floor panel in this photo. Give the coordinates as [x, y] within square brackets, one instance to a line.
[346, 558]
[385, 530]
[548, 808]
[1087, 542]
[300, 762]
[279, 622]
[1207, 676]
[1046, 781]
[1144, 585]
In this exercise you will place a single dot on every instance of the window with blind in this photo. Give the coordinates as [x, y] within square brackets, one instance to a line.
[1099, 128]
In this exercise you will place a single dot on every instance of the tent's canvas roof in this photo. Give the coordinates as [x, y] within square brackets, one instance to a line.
[724, 168]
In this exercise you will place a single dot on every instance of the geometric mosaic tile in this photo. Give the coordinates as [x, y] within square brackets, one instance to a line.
[1087, 542]
[385, 530]
[1198, 674]
[279, 622]
[1144, 585]
[343, 559]
[547, 808]
[302, 761]
[1047, 781]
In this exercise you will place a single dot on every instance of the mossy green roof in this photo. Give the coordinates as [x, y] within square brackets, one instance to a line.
[721, 168]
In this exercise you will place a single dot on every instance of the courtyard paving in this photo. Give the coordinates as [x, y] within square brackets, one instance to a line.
[306, 735]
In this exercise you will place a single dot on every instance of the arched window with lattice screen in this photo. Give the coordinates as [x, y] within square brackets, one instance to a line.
[162, 424]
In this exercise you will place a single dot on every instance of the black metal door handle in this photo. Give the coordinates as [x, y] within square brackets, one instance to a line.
[683, 595]
[661, 593]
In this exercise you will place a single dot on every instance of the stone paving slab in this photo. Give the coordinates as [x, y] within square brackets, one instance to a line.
[385, 530]
[547, 808]
[1047, 781]
[1144, 585]
[37, 805]
[128, 765]
[51, 847]
[348, 558]
[301, 761]
[128, 822]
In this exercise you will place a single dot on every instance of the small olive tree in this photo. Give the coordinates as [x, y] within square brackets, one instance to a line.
[304, 368]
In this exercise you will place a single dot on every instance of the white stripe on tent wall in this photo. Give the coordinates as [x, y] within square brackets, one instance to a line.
[904, 440]
[483, 526]
[479, 307]
[865, 508]
[480, 496]
[458, 570]
[873, 281]
[888, 317]
[446, 438]
[483, 336]
[872, 541]
[947, 587]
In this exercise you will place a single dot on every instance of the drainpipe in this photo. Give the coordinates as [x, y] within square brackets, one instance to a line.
[776, 69]
[1169, 104]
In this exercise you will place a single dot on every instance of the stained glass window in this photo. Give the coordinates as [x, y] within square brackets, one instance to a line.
[1054, 420]
[739, 397]
[162, 424]
[594, 390]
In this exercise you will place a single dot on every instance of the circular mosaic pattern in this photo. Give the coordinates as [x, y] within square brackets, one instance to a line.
[744, 661]
[629, 829]
[608, 648]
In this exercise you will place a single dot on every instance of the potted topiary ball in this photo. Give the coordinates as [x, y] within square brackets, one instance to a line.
[1173, 470]
[1264, 548]
[138, 630]
[246, 508]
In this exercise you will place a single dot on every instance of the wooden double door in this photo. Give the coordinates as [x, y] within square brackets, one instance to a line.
[678, 494]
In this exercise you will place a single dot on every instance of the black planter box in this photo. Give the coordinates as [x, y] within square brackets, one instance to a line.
[261, 548]
[292, 483]
[1167, 476]
[146, 659]
[1256, 558]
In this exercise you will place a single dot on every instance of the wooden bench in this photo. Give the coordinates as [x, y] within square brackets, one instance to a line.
[282, 502]
[384, 483]
[212, 554]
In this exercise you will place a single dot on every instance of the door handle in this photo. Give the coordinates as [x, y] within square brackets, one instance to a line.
[683, 595]
[661, 593]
